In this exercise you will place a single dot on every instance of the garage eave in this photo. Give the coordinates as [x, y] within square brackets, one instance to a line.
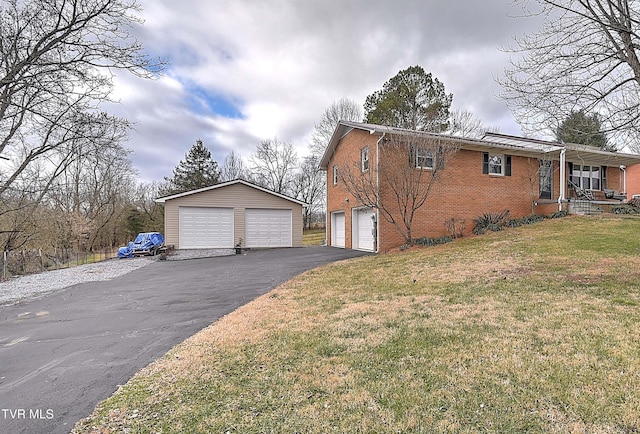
[228, 183]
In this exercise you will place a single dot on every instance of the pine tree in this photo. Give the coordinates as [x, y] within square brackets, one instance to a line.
[197, 170]
[412, 99]
[584, 129]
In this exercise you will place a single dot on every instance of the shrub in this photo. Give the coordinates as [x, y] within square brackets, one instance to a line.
[455, 227]
[559, 214]
[491, 221]
[625, 209]
[531, 219]
[426, 241]
[497, 221]
[631, 207]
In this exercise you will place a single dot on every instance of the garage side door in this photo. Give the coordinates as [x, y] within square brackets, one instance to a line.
[337, 229]
[206, 228]
[268, 227]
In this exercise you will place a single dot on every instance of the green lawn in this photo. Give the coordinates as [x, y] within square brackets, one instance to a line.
[535, 329]
[313, 237]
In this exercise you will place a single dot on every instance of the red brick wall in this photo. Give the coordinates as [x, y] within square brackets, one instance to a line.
[633, 180]
[461, 192]
[347, 153]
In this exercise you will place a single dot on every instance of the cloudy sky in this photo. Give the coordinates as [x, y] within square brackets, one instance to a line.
[246, 70]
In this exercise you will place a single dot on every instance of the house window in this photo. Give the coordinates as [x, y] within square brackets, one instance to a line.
[586, 177]
[496, 164]
[546, 178]
[424, 159]
[364, 159]
[335, 175]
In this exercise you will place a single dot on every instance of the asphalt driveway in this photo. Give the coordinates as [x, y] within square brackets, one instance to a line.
[63, 353]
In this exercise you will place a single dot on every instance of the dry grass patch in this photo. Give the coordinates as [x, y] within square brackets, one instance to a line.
[511, 332]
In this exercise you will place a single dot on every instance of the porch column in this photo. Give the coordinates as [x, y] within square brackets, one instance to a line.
[563, 178]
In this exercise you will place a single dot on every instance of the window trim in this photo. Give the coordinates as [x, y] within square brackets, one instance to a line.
[576, 176]
[545, 174]
[426, 157]
[494, 165]
[364, 159]
[505, 164]
[335, 174]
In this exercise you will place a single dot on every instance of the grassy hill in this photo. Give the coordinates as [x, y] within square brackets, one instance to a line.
[535, 329]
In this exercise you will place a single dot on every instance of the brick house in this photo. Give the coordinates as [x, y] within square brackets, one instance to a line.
[632, 174]
[492, 174]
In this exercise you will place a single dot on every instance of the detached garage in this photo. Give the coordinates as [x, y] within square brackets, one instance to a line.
[223, 215]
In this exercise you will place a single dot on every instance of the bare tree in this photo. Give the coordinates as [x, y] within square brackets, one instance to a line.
[309, 187]
[144, 214]
[342, 110]
[463, 123]
[57, 62]
[233, 167]
[58, 58]
[586, 56]
[273, 165]
[94, 189]
[409, 167]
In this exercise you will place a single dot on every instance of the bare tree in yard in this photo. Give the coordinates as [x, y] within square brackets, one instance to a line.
[233, 167]
[463, 123]
[273, 165]
[94, 189]
[143, 214]
[409, 167]
[342, 110]
[57, 62]
[17, 228]
[586, 56]
[309, 187]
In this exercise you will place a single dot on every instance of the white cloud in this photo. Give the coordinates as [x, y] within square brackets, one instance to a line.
[280, 63]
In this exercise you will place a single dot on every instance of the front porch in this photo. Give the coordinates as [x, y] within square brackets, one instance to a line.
[592, 207]
[577, 206]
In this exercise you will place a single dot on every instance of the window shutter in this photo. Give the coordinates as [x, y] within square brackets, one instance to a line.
[485, 163]
[507, 167]
[604, 177]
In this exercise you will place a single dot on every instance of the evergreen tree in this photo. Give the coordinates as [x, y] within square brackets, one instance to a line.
[197, 170]
[583, 129]
[412, 99]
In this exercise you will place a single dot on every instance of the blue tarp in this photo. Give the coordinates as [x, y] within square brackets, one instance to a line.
[146, 242]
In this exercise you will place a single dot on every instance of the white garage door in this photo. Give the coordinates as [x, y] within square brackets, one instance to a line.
[337, 229]
[206, 228]
[363, 229]
[268, 227]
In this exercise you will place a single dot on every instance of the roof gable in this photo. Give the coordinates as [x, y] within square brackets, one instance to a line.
[226, 184]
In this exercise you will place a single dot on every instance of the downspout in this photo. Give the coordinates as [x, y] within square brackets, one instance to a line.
[377, 222]
[563, 180]
[326, 216]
